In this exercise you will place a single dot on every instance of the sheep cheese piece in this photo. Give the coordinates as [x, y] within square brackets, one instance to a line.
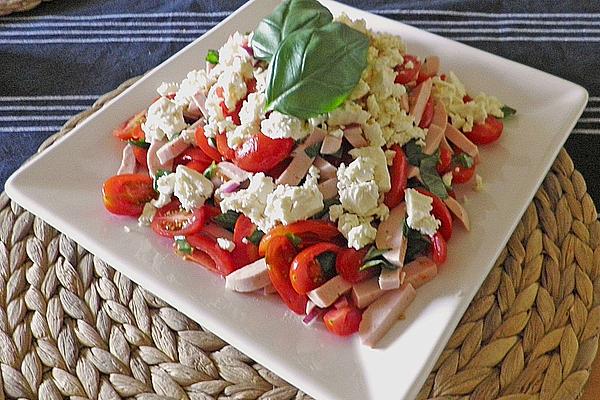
[148, 214]
[418, 210]
[251, 201]
[191, 188]
[225, 244]
[195, 81]
[279, 126]
[165, 118]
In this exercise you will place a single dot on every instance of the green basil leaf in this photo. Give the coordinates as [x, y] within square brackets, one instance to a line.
[377, 262]
[327, 262]
[288, 17]
[211, 170]
[417, 243]
[296, 240]
[183, 246]
[212, 56]
[414, 153]
[430, 177]
[464, 160]
[314, 71]
[227, 220]
[374, 253]
[508, 111]
[313, 151]
[159, 173]
[327, 203]
[139, 143]
[256, 237]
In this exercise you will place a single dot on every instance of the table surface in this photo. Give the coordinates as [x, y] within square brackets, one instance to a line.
[57, 59]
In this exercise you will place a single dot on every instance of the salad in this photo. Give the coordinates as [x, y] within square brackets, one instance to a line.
[312, 158]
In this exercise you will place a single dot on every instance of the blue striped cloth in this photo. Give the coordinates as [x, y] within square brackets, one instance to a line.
[56, 60]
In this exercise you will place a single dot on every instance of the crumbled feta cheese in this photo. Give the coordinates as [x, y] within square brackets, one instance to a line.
[126, 229]
[279, 125]
[196, 81]
[376, 154]
[356, 185]
[165, 186]
[252, 201]
[447, 179]
[348, 113]
[418, 211]
[389, 157]
[335, 212]
[261, 79]
[166, 88]
[148, 214]
[358, 230]
[361, 90]
[234, 49]
[234, 87]
[239, 135]
[383, 80]
[479, 185]
[165, 118]
[226, 244]
[409, 65]
[338, 133]
[191, 187]
[374, 134]
[253, 109]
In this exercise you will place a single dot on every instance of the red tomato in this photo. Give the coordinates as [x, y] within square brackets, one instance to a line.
[202, 142]
[306, 273]
[218, 260]
[234, 114]
[251, 86]
[427, 114]
[279, 257]
[197, 166]
[193, 154]
[467, 98]
[172, 220]
[244, 253]
[445, 160]
[348, 263]
[310, 232]
[343, 321]
[487, 132]
[460, 173]
[404, 75]
[227, 152]
[132, 128]
[440, 212]
[260, 153]
[141, 155]
[439, 248]
[279, 168]
[398, 177]
[127, 194]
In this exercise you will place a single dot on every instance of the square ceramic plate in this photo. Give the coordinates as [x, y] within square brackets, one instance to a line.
[63, 187]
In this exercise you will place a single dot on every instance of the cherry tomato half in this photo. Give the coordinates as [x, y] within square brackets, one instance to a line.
[445, 160]
[310, 232]
[486, 132]
[460, 173]
[427, 114]
[343, 321]
[141, 155]
[260, 153]
[439, 249]
[202, 142]
[193, 153]
[172, 220]
[349, 262]
[404, 75]
[227, 152]
[132, 128]
[440, 212]
[218, 260]
[398, 177]
[127, 194]
[306, 273]
[245, 252]
[234, 114]
[279, 257]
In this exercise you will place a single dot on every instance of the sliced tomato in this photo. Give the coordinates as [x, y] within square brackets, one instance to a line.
[343, 321]
[193, 153]
[245, 252]
[172, 220]
[427, 114]
[260, 153]
[404, 75]
[440, 212]
[227, 152]
[349, 262]
[127, 194]
[279, 168]
[306, 272]
[218, 260]
[140, 155]
[197, 166]
[132, 128]
[439, 248]
[251, 86]
[309, 232]
[486, 132]
[234, 114]
[460, 173]
[279, 257]
[398, 177]
[445, 160]
[202, 142]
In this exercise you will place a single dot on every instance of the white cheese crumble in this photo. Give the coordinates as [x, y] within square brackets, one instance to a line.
[251, 201]
[376, 154]
[478, 185]
[418, 211]
[167, 88]
[356, 185]
[253, 109]
[358, 230]
[191, 187]
[126, 229]
[195, 81]
[389, 157]
[226, 244]
[348, 113]
[148, 214]
[279, 126]
[165, 118]
[164, 185]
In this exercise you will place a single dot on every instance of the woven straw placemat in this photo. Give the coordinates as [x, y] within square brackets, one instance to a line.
[70, 325]
[11, 6]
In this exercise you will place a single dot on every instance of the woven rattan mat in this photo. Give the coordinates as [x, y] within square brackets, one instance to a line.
[70, 325]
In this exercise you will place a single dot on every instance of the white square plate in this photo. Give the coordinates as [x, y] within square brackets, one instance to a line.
[63, 186]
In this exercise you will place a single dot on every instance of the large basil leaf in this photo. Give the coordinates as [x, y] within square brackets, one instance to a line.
[288, 17]
[430, 177]
[314, 71]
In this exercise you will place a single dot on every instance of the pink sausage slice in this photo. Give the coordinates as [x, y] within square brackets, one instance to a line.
[380, 316]
[461, 141]
[366, 292]
[420, 271]
[172, 149]
[154, 164]
[297, 169]
[329, 188]
[431, 66]
[252, 277]
[397, 254]
[433, 139]
[391, 278]
[389, 234]
[326, 294]
[440, 115]
[354, 135]
[331, 144]
[326, 169]
[127, 161]
[418, 99]
[459, 212]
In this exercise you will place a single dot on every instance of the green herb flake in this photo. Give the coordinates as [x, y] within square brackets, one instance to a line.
[414, 153]
[227, 220]
[211, 170]
[295, 239]
[464, 160]
[508, 111]
[430, 177]
[313, 150]
[139, 143]
[160, 173]
[212, 56]
[182, 246]
[417, 243]
[327, 203]
[374, 258]
[327, 262]
[256, 237]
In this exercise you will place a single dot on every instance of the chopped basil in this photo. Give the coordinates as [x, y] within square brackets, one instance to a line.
[211, 170]
[212, 142]
[160, 173]
[326, 206]
[327, 262]
[139, 143]
[414, 153]
[464, 160]
[183, 246]
[373, 253]
[227, 220]
[508, 111]
[374, 258]
[212, 56]
[417, 243]
[296, 240]
[256, 236]
[313, 151]
[430, 177]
